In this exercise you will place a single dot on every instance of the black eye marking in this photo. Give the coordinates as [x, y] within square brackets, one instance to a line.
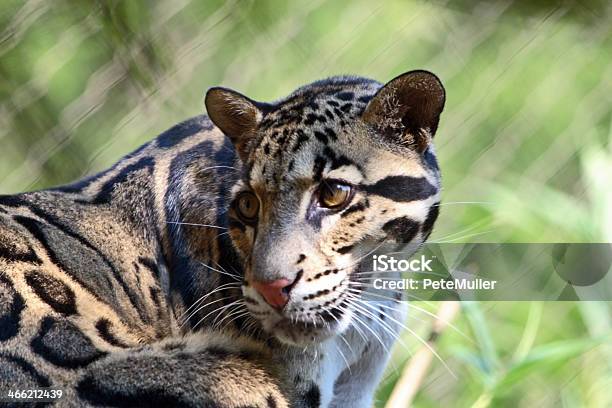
[402, 188]
[300, 259]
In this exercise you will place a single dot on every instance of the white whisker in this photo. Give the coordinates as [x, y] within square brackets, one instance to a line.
[236, 303]
[356, 262]
[237, 315]
[360, 273]
[236, 274]
[415, 307]
[463, 237]
[202, 298]
[221, 272]
[214, 311]
[357, 287]
[370, 329]
[348, 367]
[424, 342]
[464, 202]
[194, 224]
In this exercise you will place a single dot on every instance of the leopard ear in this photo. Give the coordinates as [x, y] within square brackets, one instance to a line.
[235, 114]
[407, 109]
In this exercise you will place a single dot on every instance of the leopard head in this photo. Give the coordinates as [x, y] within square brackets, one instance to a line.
[329, 173]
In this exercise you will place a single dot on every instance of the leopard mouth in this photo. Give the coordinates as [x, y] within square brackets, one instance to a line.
[301, 323]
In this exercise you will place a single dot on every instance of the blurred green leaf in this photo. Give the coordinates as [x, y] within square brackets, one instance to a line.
[488, 358]
[546, 357]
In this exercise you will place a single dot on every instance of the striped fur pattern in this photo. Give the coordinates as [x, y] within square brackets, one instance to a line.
[136, 286]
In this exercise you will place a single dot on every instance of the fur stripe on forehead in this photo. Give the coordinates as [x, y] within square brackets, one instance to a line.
[331, 161]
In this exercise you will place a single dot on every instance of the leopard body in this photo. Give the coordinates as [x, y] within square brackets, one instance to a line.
[138, 286]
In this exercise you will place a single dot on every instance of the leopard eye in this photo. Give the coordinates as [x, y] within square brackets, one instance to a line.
[335, 194]
[247, 206]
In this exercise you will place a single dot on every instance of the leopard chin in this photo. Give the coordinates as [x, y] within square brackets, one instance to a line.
[300, 333]
[296, 331]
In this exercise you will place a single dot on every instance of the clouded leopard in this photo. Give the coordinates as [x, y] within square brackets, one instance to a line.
[219, 264]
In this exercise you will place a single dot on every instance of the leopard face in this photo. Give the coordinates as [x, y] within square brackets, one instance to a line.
[330, 173]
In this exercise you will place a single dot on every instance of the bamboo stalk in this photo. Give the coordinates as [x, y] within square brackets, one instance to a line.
[415, 371]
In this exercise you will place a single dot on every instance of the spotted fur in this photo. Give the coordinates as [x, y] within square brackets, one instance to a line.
[136, 286]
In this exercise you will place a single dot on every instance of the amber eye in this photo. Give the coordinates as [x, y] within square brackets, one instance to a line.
[247, 206]
[334, 194]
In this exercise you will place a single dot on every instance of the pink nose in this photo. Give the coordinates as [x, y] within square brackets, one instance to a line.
[275, 293]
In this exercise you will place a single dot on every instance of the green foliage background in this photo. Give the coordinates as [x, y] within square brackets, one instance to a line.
[524, 142]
